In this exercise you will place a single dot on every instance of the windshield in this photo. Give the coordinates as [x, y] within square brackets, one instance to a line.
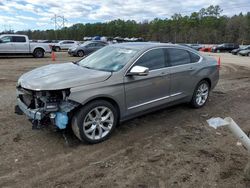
[109, 58]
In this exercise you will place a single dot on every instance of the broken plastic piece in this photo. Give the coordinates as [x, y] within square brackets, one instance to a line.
[216, 122]
[61, 120]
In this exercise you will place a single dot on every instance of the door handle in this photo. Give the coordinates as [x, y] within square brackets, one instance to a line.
[162, 74]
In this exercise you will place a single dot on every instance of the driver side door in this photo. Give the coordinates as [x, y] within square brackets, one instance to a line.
[144, 92]
[6, 45]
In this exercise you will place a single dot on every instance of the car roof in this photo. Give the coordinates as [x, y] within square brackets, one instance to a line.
[148, 45]
[15, 35]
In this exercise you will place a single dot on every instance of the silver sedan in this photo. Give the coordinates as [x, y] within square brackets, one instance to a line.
[114, 84]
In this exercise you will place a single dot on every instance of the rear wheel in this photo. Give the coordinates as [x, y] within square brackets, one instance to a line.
[38, 53]
[95, 122]
[201, 94]
[80, 53]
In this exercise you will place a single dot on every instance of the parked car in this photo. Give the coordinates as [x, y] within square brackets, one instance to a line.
[12, 44]
[114, 84]
[196, 46]
[64, 45]
[245, 52]
[236, 51]
[226, 47]
[86, 48]
[206, 49]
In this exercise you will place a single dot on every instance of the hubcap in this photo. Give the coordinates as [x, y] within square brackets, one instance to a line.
[202, 94]
[98, 123]
[80, 54]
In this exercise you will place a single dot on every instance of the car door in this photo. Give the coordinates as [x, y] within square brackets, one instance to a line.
[64, 45]
[6, 45]
[90, 48]
[144, 92]
[183, 72]
[21, 45]
[98, 46]
[70, 44]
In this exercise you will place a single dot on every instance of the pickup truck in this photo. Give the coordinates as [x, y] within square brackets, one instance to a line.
[12, 44]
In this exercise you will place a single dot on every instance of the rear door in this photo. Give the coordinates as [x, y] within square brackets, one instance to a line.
[21, 45]
[6, 46]
[144, 92]
[91, 47]
[183, 71]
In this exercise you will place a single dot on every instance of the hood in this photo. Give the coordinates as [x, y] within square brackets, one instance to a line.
[61, 76]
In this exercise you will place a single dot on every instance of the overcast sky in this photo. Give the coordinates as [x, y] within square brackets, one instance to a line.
[37, 14]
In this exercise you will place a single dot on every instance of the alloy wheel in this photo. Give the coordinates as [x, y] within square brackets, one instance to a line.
[98, 122]
[202, 94]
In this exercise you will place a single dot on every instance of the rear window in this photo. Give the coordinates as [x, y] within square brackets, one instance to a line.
[178, 56]
[194, 57]
[19, 39]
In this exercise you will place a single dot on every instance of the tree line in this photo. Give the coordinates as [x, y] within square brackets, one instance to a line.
[205, 26]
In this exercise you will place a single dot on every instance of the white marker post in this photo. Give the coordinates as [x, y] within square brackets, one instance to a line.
[237, 132]
[234, 128]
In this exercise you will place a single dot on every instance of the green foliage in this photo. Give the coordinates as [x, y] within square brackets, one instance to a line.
[205, 26]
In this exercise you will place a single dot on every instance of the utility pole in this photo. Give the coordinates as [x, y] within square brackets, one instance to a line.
[59, 23]
[54, 19]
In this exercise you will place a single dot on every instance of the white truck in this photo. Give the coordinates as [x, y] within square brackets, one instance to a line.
[12, 44]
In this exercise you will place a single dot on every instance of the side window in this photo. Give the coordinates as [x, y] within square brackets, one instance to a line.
[91, 45]
[6, 39]
[99, 45]
[153, 59]
[19, 39]
[194, 57]
[178, 57]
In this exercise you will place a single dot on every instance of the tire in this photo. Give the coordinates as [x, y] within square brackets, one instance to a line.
[38, 53]
[57, 48]
[201, 94]
[217, 51]
[89, 127]
[80, 53]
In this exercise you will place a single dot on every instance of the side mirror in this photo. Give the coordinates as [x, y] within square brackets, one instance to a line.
[138, 71]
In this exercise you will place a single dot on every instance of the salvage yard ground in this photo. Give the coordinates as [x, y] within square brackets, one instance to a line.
[169, 148]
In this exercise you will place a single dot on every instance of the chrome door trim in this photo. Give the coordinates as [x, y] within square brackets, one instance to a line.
[155, 100]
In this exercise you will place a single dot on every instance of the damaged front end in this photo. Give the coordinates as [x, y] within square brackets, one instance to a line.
[45, 107]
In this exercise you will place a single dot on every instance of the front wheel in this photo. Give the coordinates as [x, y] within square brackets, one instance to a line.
[200, 94]
[95, 122]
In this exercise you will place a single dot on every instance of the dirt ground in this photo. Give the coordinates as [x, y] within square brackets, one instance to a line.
[170, 148]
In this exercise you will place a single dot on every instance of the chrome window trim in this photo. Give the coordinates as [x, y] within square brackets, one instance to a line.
[155, 100]
[163, 47]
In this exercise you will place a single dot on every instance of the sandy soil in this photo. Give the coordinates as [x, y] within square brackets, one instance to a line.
[170, 148]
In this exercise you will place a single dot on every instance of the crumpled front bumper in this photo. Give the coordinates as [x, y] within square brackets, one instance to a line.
[34, 114]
